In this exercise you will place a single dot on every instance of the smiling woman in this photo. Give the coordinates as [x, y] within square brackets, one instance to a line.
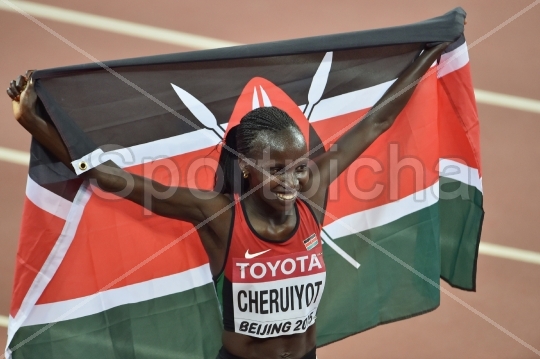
[276, 289]
[261, 225]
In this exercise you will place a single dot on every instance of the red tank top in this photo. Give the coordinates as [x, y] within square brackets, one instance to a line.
[267, 288]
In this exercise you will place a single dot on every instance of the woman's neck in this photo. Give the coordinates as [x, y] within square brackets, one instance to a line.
[262, 211]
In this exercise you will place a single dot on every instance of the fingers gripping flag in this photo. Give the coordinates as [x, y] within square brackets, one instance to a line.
[99, 275]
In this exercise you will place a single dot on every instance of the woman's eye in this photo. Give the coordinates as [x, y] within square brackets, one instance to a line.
[301, 168]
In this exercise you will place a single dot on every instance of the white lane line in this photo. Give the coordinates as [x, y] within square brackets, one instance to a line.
[3, 321]
[509, 101]
[14, 156]
[116, 26]
[497, 250]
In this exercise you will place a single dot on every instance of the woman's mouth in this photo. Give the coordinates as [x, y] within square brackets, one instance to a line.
[287, 196]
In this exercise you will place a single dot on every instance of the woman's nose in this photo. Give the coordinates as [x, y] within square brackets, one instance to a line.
[289, 179]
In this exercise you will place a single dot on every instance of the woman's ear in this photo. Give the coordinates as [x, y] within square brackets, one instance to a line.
[247, 166]
[242, 163]
[244, 166]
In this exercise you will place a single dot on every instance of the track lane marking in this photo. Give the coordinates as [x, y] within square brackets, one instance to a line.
[118, 26]
[521, 255]
[508, 101]
[14, 156]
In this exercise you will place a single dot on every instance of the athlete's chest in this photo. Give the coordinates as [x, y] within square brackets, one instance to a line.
[274, 288]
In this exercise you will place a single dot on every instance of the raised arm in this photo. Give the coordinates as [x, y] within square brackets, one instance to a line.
[175, 202]
[379, 119]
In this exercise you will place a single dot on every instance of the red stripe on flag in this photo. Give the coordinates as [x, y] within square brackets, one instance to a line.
[402, 161]
[39, 233]
[115, 236]
[459, 127]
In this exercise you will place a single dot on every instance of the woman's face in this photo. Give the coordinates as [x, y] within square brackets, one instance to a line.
[279, 168]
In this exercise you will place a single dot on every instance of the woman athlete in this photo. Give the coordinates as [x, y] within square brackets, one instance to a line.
[272, 231]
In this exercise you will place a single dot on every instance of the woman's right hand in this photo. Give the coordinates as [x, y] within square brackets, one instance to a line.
[23, 96]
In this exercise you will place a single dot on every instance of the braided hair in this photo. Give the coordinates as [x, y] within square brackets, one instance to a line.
[241, 138]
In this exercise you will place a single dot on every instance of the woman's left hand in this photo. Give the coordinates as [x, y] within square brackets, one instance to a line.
[23, 96]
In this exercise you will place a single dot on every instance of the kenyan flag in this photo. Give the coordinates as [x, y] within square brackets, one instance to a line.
[100, 276]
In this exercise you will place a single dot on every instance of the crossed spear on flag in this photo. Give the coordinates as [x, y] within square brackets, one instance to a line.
[316, 90]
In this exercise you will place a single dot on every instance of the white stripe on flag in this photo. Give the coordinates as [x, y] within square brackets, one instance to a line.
[460, 172]
[390, 212]
[453, 60]
[349, 102]
[161, 149]
[135, 293]
[53, 260]
[10, 332]
[11, 329]
[47, 200]
[379, 216]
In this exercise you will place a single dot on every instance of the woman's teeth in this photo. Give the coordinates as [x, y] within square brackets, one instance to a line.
[286, 197]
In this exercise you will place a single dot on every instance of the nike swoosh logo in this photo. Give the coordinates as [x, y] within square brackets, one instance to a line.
[249, 256]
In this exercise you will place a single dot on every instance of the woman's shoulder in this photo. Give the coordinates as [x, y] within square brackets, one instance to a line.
[306, 208]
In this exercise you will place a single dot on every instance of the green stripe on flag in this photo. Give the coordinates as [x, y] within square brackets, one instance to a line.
[165, 327]
[381, 290]
[461, 213]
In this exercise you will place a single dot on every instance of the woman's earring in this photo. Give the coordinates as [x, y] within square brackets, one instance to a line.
[245, 174]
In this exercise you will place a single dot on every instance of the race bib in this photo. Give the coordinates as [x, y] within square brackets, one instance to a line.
[278, 295]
